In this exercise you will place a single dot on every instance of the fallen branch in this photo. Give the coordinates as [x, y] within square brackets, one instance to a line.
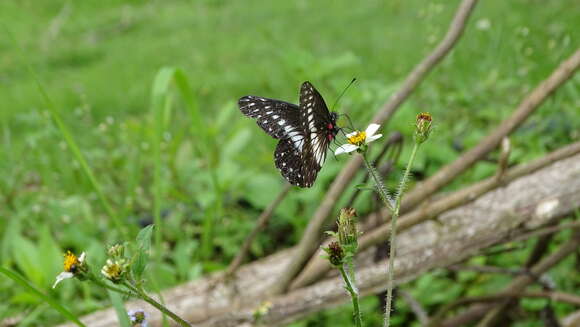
[459, 234]
[318, 267]
[311, 238]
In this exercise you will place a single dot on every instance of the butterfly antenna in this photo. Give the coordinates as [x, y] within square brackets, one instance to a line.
[349, 121]
[343, 91]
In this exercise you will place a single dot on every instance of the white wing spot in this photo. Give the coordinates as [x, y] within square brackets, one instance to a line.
[265, 121]
[268, 112]
[275, 116]
[281, 122]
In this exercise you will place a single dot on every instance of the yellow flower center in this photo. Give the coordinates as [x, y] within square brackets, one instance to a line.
[71, 262]
[358, 138]
[114, 271]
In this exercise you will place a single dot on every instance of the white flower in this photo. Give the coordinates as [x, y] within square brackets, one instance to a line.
[357, 139]
[71, 266]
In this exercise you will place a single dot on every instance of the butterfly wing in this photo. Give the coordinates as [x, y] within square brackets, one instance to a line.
[315, 117]
[277, 118]
[288, 160]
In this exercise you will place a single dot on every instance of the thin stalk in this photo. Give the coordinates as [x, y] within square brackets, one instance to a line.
[385, 197]
[157, 305]
[354, 296]
[112, 288]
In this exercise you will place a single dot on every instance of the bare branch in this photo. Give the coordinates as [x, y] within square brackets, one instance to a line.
[260, 224]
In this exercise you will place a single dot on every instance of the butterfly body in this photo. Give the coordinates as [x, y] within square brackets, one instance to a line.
[305, 132]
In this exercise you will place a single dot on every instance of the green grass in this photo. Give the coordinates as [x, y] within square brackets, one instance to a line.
[182, 153]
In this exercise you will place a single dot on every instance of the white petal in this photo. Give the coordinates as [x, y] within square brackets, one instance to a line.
[372, 129]
[372, 138]
[62, 276]
[349, 135]
[82, 257]
[345, 148]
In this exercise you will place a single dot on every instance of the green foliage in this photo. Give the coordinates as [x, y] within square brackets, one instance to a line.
[139, 125]
[141, 256]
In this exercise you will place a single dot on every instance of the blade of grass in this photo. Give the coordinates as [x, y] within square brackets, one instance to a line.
[34, 290]
[117, 302]
[160, 111]
[70, 141]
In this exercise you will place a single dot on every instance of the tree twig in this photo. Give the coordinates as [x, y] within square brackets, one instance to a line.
[311, 238]
[415, 306]
[260, 224]
[501, 296]
[515, 287]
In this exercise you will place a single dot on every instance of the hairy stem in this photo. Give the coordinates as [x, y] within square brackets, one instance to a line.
[353, 294]
[397, 206]
[157, 305]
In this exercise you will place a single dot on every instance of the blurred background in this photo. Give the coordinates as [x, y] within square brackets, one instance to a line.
[98, 60]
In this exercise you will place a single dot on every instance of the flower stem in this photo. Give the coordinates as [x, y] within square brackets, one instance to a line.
[157, 305]
[112, 288]
[353, 294]
[395, 214]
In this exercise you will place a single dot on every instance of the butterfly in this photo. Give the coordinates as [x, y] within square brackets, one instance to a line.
[304, 131]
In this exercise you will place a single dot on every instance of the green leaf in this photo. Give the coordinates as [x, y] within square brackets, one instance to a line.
[34, 290]
[364, 187]
[142, 256]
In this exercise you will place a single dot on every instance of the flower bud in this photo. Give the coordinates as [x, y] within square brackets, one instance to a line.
[116, 251]
[335, 254]
[347, 232]
[423, 127]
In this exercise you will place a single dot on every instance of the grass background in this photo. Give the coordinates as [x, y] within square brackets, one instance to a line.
[212, 173]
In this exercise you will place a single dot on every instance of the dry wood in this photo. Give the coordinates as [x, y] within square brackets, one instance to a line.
[311, 238]
[317, 267]
[524, 204]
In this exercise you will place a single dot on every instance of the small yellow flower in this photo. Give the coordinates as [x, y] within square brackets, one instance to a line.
[114, 270]
[73, 266]
[71, 262]
[358, 138]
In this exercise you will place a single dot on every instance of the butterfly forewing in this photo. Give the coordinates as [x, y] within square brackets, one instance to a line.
[277, 118]
[315, 118]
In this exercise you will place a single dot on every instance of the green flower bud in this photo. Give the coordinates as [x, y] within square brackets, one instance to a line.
[423, 127]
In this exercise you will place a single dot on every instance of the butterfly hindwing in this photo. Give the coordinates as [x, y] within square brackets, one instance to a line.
[290, 162]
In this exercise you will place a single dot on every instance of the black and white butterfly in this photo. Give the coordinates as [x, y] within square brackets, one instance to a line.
[305, 132]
